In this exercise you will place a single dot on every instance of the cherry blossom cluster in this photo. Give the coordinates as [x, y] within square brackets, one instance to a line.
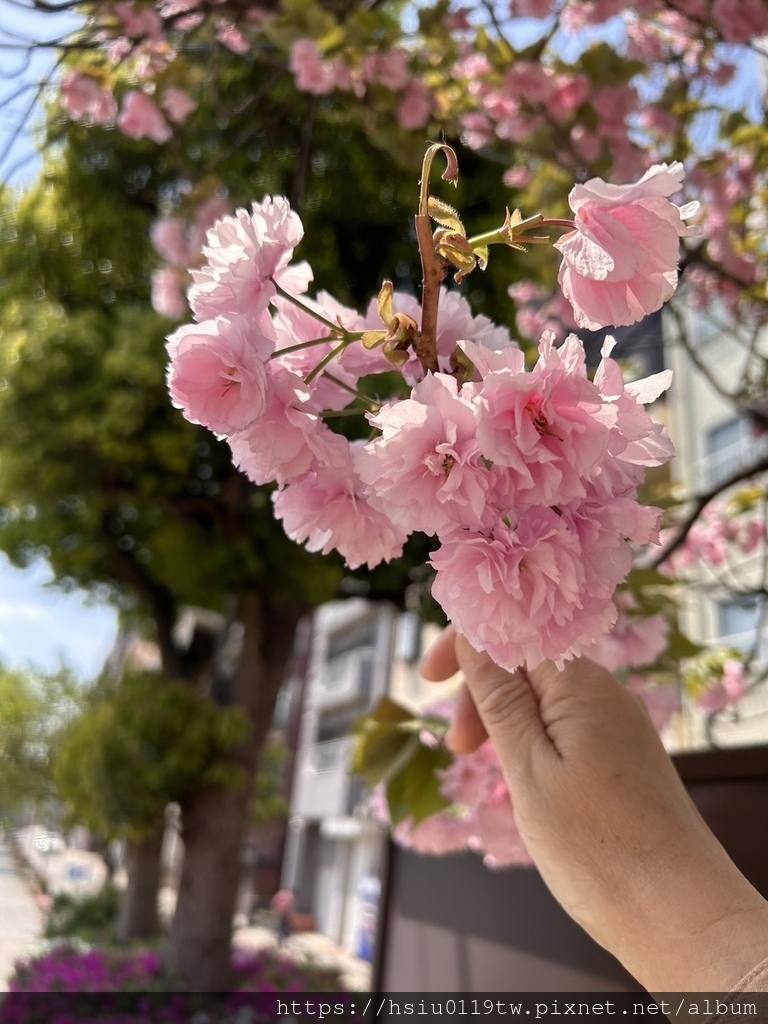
[721, 536]
[389, 69]
[717, 680]
[545, 104]
[527, 477]
[144, 81]
[481, 817]
[180, 242]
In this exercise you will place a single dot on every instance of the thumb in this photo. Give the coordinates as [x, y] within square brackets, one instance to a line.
[507, 706]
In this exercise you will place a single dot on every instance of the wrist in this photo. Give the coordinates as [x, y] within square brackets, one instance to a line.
[703, 933]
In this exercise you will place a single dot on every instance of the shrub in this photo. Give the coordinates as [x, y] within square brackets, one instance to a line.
[91, 919]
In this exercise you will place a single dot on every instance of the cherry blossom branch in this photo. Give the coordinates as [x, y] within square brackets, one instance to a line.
[329, 414]
[336, 328]
[328, 359]
[491, 12]
[433, 267]
[301, 345]
[740, 396]
[700, 503]
[370, 402]
[512, 232]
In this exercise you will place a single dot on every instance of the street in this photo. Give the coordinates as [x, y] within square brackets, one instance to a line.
[19, 916]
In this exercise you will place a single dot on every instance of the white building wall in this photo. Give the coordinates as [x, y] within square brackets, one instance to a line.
[359, 653]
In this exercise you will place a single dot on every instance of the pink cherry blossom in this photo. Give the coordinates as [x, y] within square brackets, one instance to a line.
[549, 428]
[661, 701]
[741, 21]
[531, 8]
[472, 779]
[426, 471]
[231, 37]
[289, 438]
[522, 292]
[245, 252]
[82, 96]
[516, 127]
[628, 159]
[137, 23]
[750, 535]
[327, 510]
[177, 104]
[313, 74]
[729, 689]
[205, 216]
[530, 81]
[696, 9]
[140, 119]
[517, 177]
[569, 94]
[169, 237]
[435, 836]
[496, 835]
[633, 642]
[516, 594]
[415, 107]
[217, 373]
[603, 527]
[294, 326]
[614, 104]
[471, 65]
[635, 441]
[576, 17]
[458, 20]
[481, 817]
[167, 294]
[663, 122]
[585, 143]
[388, 68]
[621, 261]
[646, 42]
[476, 130]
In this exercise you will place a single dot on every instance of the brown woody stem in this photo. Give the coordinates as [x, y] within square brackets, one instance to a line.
[433, 267]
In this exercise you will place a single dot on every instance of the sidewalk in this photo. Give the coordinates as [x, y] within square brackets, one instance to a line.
[20, 919]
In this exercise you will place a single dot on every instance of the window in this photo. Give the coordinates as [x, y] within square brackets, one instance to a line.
[358, 634]
[738, 621]
[731, 446]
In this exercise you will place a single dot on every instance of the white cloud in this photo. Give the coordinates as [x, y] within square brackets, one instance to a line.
[43, 627]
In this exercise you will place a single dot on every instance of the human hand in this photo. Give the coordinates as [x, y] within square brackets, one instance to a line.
[607, 820]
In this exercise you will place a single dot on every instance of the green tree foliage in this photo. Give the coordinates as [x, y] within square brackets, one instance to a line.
[33, 710]
[137, 747]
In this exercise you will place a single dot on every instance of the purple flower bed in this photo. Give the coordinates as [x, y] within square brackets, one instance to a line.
[69, 986]
[266, 970]
[67, 969]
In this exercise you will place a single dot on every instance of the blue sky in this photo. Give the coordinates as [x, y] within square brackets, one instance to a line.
[39, 625]
[20, 73]
[45, 628]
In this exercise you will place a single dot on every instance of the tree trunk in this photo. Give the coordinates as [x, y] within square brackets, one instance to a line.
[213, 822]
[138, 918]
